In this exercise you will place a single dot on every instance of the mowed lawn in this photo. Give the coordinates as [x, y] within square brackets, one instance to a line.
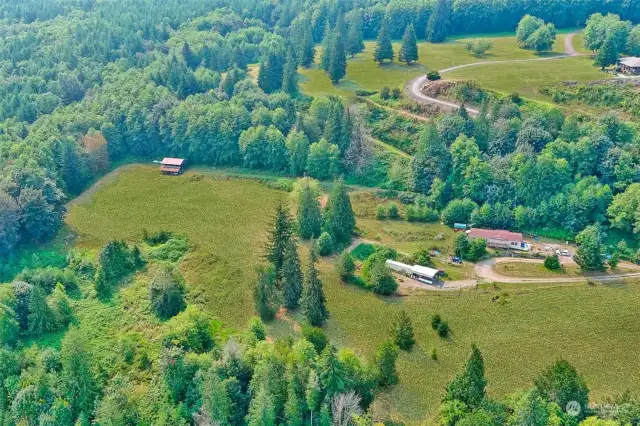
[537, 270]
[594, 327]
[364, 73]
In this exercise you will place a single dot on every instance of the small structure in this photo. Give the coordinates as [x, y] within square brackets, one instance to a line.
[630, 65]
[459, 227]
[172, 166]
[417, 272]
[499, 238]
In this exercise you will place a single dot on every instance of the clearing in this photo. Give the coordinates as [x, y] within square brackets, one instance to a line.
[225, 217]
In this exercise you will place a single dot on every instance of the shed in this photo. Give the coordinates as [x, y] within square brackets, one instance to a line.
[172, 166]
[459, 227]
[630, 65]
[417, 272]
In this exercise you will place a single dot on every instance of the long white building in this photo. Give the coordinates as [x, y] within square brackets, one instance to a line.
[417, 272]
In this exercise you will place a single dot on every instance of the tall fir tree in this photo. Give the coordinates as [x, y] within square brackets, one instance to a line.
[190, 58]
[438, 24]
[292, 408]
[262, 410]
[409, 50]
[339, 218]
[383, 49]
[337, 130]
[386, 363]
[298, 146]
[338, 63]
[290, 73]
[313, 303]
[307, 47]
[355, 34]
[309, 215]
[332, 372]
[278, 236]
[270, 72]
[341, 26]
[265, 294]
[327, 47]
[291, 276]
[469, 386]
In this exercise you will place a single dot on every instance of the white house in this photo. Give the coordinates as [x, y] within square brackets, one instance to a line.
[499, 238]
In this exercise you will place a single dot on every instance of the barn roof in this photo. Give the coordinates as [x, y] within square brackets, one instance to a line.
[495, 234]
[631, 61]
[172, 161]
[426, 272]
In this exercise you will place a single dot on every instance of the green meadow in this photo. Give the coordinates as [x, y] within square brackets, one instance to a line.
[594, 327]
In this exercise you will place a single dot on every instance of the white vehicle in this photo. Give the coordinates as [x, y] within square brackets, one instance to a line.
[565, 253]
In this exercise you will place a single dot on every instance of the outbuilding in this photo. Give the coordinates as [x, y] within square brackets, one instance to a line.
[417, 272]
[172, 166]
[499, 238]
[630, 65]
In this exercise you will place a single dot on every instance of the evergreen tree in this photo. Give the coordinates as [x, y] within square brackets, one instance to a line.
[279, 234]
[469, 386]
[290, 77]
[386, 364]
[292, 412]
[608, 53]
[190, 58]
[383, 49]
[338, 62]
[341, 26]
[313, 392]
[561, 384]
[78, 381]
[298, 146]
[262, 410]
[337, 130]
[327, 47]
[438, 24]
[332, 372]
[215, 400]
[339, 218]
[270, 72]
[354, 41]
[346, 266]
[309, 215]
[41, 318]
[61, 307]
[409, 50]
[402, 331]
[314, 303]
[307, 49]
[265, 294]
[291, 276]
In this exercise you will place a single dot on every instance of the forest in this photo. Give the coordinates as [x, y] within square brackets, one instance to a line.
[88, 85]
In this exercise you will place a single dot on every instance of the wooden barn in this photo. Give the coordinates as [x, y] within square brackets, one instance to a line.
[172, 166]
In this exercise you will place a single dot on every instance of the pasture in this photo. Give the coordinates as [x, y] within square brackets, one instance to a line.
[594, 327]
[364, 73]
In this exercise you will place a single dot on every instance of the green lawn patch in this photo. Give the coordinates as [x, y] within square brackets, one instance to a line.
[537, 270]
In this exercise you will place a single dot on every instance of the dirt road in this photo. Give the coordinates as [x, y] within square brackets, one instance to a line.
[413, 87]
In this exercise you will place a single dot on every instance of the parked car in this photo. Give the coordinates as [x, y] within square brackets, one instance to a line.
[566, 253]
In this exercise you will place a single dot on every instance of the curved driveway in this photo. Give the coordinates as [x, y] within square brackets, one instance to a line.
[413, 87]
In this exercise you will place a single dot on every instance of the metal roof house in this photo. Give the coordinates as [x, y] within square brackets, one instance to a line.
[499, 238]
[172, 166]
[417, 272]
[630, 65]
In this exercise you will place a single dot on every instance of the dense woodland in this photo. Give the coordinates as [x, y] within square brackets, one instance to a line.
[87, 84]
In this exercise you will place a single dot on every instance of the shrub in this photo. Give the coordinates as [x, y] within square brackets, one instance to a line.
[363, 251]
[436, 319]
[345, 266]
[325, 244]
[434, 354]
[552, 262]
[614, 260]
[515, 98]
[395, 93]
[443, 329]
[156, 238]
[381, 212]
[402, 332]
[392, 211]
[361, 92]
[422, 257]
[191, 330]
[166, 293]
[380, 278]
[47, 278]
[458, 211]
[433, 76]
[385, 93]
[171, 250]
[257, 328]
[316, 336]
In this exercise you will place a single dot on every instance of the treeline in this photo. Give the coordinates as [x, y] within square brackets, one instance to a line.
[559, 396]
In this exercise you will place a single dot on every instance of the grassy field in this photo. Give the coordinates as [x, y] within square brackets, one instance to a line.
[528, 78]
[224, 219]
[536, 270]
[364, 73]
[225, 229]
